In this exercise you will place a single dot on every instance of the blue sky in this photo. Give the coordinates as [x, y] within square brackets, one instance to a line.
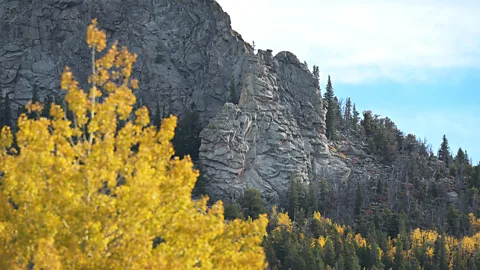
[417, 62]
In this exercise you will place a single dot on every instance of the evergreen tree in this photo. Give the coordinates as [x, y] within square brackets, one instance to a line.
[348, 113]
[323, 195]
[35, 97]
[444, 152]
[187, 134]
[47, 104]
[233, 92]
[338, 123]
[358, 202]
[453, 220]
[399, 259]
[330, 117]
[316, 72]
[312, 200]
[351, 260]
[460, 157]
[232, 211]
[329, 253]
[251, 203]
[355, 118]
[293, 198]
[440, 254]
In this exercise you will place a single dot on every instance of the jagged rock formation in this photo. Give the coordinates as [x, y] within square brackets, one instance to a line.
[187, 53]
[275, 134]
[187, 49]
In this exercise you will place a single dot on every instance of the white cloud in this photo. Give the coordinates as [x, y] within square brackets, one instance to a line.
[379, 39]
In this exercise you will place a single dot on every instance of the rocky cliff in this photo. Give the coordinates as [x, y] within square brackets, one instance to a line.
[275, 134]
[188, 53]
[187, 49]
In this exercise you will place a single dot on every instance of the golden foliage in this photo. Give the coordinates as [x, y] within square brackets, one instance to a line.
[360, 241]
[474, 222]
[90, 194]
[284, 222]
[322, 240]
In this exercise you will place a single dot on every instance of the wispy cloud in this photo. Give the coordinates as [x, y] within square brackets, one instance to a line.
[398, 40]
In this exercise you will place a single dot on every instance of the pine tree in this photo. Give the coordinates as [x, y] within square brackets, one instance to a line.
[358, 202]
[453, 219]
[47, 105]
[187, 134]
[330, 117]
[399, 259]
[402, 229]
[460, 157]
[35, 97]
[444, 152]
[440, 254]
[329, 253]
[348, 113]
[355, 118]
[323, 195]
[293, 198]
[251, 203]
[232, 211]
[233, 92]
[338, 115]
[312, 200]
[316, 72]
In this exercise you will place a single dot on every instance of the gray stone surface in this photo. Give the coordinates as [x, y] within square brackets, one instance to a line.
[276, 133]
[187, 49]
[188, 53]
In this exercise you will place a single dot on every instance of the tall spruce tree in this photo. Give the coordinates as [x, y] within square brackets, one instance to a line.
[233, 92]
[358, 202]
[440, 254]
[316, 72]
[293, 198]
[355, 117]
[348, 113]
[187, 134]
[331, 108]
[338, 123]
[324, 203]
[252, 204]
[444, 152]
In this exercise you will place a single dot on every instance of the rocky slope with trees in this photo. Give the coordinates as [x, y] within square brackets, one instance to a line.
[256, 124]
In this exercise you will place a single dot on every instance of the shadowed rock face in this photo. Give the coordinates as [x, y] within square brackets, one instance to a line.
[188, 53]
[187, 49]
[276, 133]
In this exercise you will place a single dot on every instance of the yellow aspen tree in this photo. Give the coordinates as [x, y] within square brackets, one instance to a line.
[91, 194]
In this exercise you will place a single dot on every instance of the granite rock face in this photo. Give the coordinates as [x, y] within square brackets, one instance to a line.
[188, 53]
[187, 49]
[275, 134]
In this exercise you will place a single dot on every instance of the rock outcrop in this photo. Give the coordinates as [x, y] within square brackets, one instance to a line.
[188, 53]
[275, 134]
[187, 50]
